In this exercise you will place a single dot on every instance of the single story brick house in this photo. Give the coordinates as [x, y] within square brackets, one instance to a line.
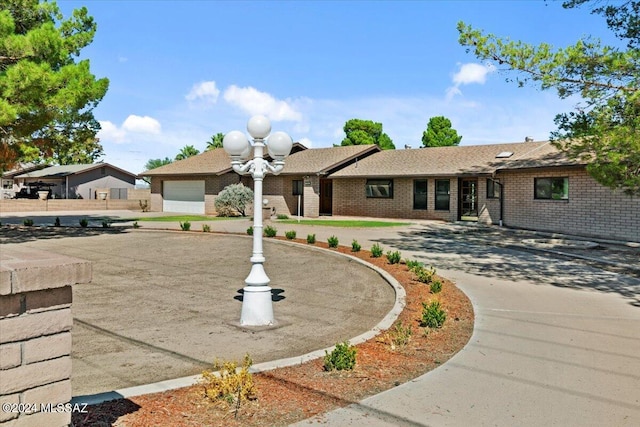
[191, 185]
[529, 185]
[84, 181]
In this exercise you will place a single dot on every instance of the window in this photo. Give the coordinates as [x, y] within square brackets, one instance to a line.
[493, 188]
[420, 194]
[379, 188]
[7, 184]
[442, 194]
[297, 188]
[551, 188]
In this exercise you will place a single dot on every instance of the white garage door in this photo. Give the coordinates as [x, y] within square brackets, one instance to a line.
[183, 196]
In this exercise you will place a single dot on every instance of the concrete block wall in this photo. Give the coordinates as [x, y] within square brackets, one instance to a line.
[592, 210]
[21, 205]
[35, 335]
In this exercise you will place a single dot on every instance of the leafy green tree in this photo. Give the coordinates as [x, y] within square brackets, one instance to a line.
[46, 96]
[439, 133]
[233, 198]
[187, 151]
[215, 141]
[604, 130]
[153, 164]
[366, 132]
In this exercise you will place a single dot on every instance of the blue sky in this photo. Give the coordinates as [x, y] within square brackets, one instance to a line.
[181, 71]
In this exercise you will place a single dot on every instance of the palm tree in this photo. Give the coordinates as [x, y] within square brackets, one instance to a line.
[215, 142]
[187, 151]
[156, 163]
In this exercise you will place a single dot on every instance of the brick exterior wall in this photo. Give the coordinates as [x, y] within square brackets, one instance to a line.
[35, 333]
[591, 210]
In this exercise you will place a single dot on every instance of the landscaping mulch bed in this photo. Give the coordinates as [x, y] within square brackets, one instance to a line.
[291, 394]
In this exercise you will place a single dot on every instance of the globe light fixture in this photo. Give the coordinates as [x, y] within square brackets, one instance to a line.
[257, 306]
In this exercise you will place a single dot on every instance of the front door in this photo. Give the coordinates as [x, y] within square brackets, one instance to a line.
[468, 199]
[326, 197]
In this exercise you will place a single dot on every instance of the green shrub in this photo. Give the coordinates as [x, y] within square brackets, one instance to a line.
[206, 228]
[84, 222]
[136, 225]
[343, 357]
[433, 316]
[393, 257]
[282, 216]
[290, 235]
[57, 222]
[185, 226]
[333, 241]
[233, 198]
[435, 287]
[355, 246]
[425, 275]
[250, 231]
[376, 251]
[270, 231]
[28, 222]
[311, 239]
[412, 265]
[227, 383]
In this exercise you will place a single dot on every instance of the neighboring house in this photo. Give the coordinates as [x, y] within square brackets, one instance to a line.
[528, 185]
[81, 181]
[9, 185]
[191, 185]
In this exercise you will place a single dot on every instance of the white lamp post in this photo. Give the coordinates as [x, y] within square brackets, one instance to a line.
[257, 308]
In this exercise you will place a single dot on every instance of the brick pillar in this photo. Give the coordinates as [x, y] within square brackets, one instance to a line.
[35, 335]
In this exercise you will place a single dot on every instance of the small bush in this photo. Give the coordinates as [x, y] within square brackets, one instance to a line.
[28, 222]
[433, 316]
[333, 242]
[228, 384]
[376, 251]
[282, 216]
[144, 205]
[355, 246]
[343, 357]
[250, 231]
[233, 198]
[425, 275]
[393, 257]
[270, 231]
[399, 336]
[185, 226]
[290, 235]
[106, 224]
[412, 265]
[84, 223]
[57, 222]
[435, 287]
[311, 239]
[206, 228]
[136, 225]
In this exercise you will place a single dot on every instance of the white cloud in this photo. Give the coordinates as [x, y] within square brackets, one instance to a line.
[141, 124]
[469, 73]
[306, 142]
[110, 132]
[254, 102]
[206, 91]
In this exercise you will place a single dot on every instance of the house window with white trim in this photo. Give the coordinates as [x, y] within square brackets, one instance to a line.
[551, 188]
[379, 189]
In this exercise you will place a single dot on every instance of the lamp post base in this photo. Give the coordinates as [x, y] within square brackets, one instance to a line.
[257, 306]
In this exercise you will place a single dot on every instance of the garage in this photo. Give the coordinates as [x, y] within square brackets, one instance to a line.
[183, 196]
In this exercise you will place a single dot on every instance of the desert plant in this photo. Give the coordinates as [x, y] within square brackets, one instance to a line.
[435, 287]
[425, 275]
[206, 228]
[433, 316]
[343, 357]
[333, 241]
[399, 335]
[84, 222]
[376, 250]
[136, 225]
[185, 226]
[393, 257]
[28, 222]
[282, 216]
[355, 246]
[270, 231]
[290, 234]
[311, 239]
[250, 231]
[234, 196]
[412, 265]
[57, 222]
[144, 205]
[226, 383]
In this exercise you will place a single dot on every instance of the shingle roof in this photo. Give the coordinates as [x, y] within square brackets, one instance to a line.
[66, 170]
[215, 162]
[455, 161]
